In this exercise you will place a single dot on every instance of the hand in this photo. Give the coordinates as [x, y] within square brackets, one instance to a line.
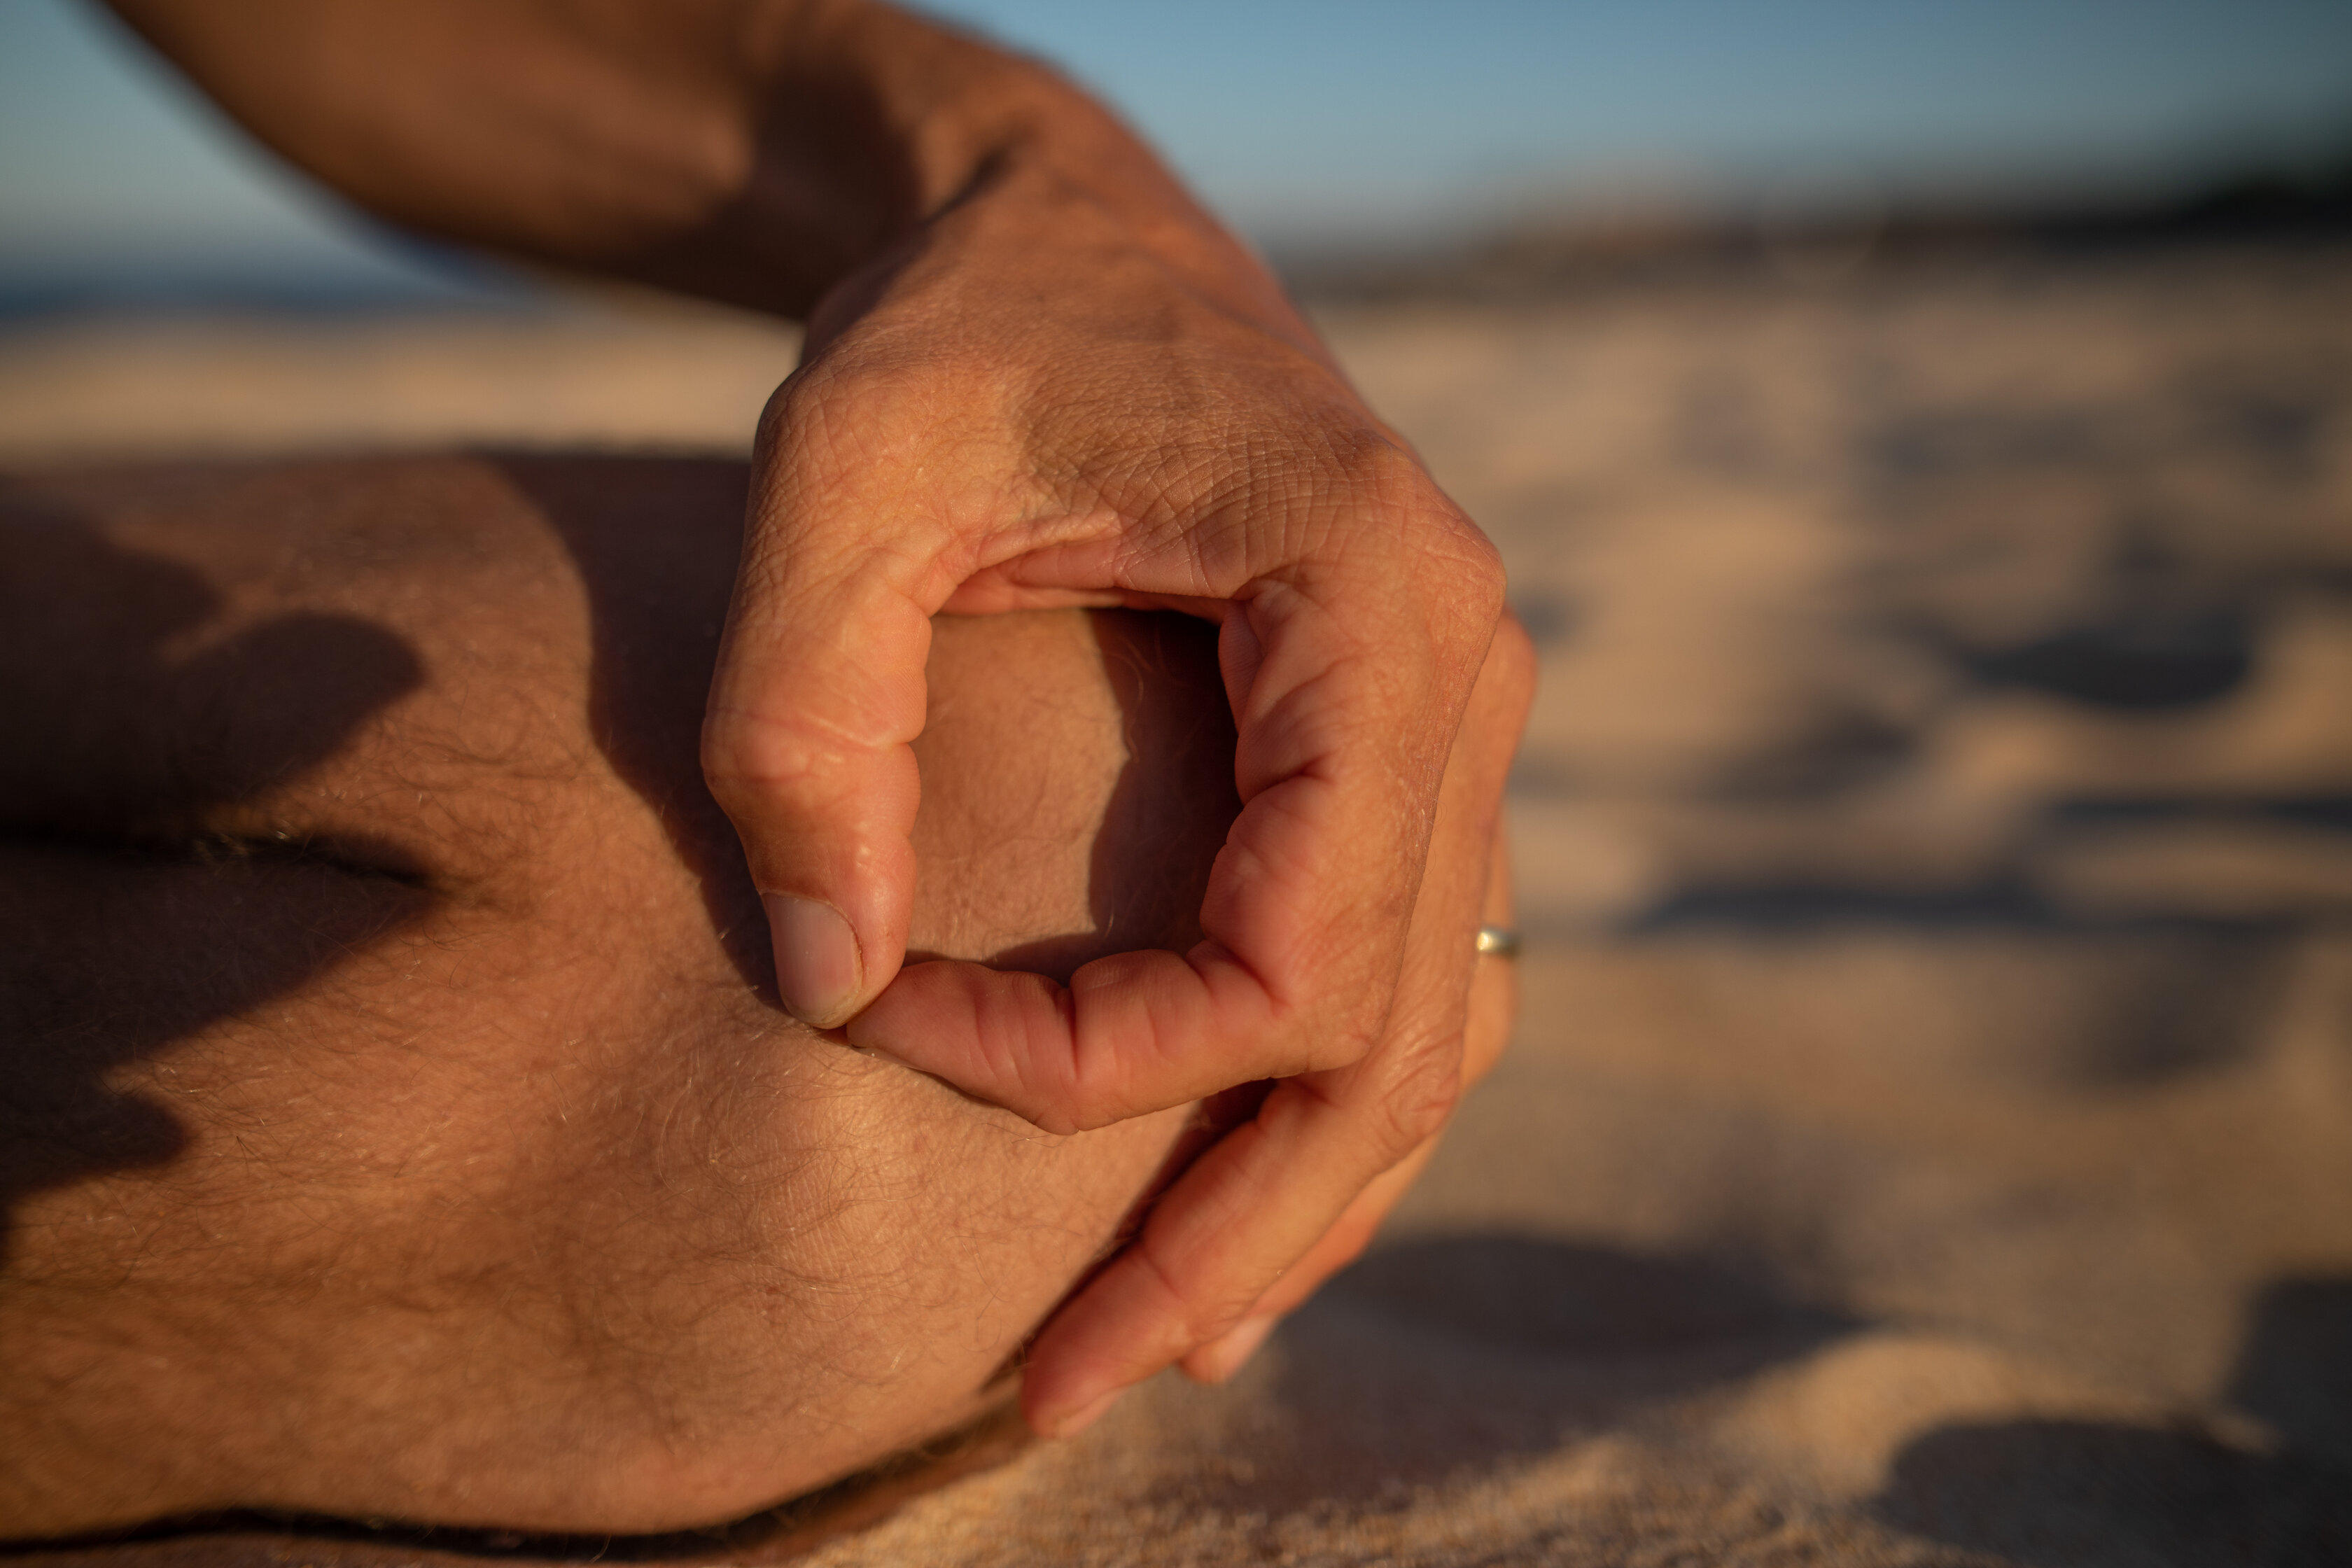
[1037, 373]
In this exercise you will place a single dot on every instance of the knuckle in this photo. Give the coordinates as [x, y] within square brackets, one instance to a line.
[1388, 470]
[797, 403]
[1060, 1122]
[732, 752]
[1419, 1101]
[763, 756]
[1352, 1035]
[824, 417]
[1466, 582]
[1065, 1110]
[1201, 1307]
[1352, 453]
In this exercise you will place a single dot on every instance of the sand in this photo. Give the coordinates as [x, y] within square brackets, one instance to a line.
[1929, 1137]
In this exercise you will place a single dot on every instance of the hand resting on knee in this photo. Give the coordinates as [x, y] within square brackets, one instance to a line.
[401, 1122]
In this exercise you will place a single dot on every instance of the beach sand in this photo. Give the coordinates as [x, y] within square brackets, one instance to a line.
[1929, 1138]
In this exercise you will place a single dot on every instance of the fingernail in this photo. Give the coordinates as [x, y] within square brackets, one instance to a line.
[1230, 1354]
[1084, 1416]
[816, 958]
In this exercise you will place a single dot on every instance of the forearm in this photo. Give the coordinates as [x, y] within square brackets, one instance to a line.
[754, 151]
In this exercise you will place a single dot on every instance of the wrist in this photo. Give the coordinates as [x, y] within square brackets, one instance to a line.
[971, 146]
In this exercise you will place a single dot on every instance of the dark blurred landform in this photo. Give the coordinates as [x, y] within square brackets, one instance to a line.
[1929, 1140]
[1635, 240]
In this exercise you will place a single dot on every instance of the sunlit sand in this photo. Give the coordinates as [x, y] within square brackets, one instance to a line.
[1929, 1137]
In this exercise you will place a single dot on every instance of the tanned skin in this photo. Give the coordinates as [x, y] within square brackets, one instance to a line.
[401, 1123]
[1038, 373]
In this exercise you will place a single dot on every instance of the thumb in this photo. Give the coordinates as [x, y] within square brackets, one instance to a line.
[806, 745]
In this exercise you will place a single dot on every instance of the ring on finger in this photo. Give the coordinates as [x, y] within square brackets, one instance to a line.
[1497, 942]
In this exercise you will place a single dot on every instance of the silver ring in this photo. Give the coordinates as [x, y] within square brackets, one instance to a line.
[1497, 942]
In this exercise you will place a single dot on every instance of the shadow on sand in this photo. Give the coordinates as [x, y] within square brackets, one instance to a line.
[2079, 1492]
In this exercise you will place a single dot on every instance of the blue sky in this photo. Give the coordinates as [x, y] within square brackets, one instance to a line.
[1323, 120]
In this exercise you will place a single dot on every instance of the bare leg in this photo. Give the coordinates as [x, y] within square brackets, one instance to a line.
[399, 1120]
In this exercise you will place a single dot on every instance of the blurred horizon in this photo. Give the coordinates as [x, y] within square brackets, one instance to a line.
[1321, 129]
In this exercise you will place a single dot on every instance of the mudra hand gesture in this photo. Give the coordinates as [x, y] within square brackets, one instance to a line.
[1037, 373]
